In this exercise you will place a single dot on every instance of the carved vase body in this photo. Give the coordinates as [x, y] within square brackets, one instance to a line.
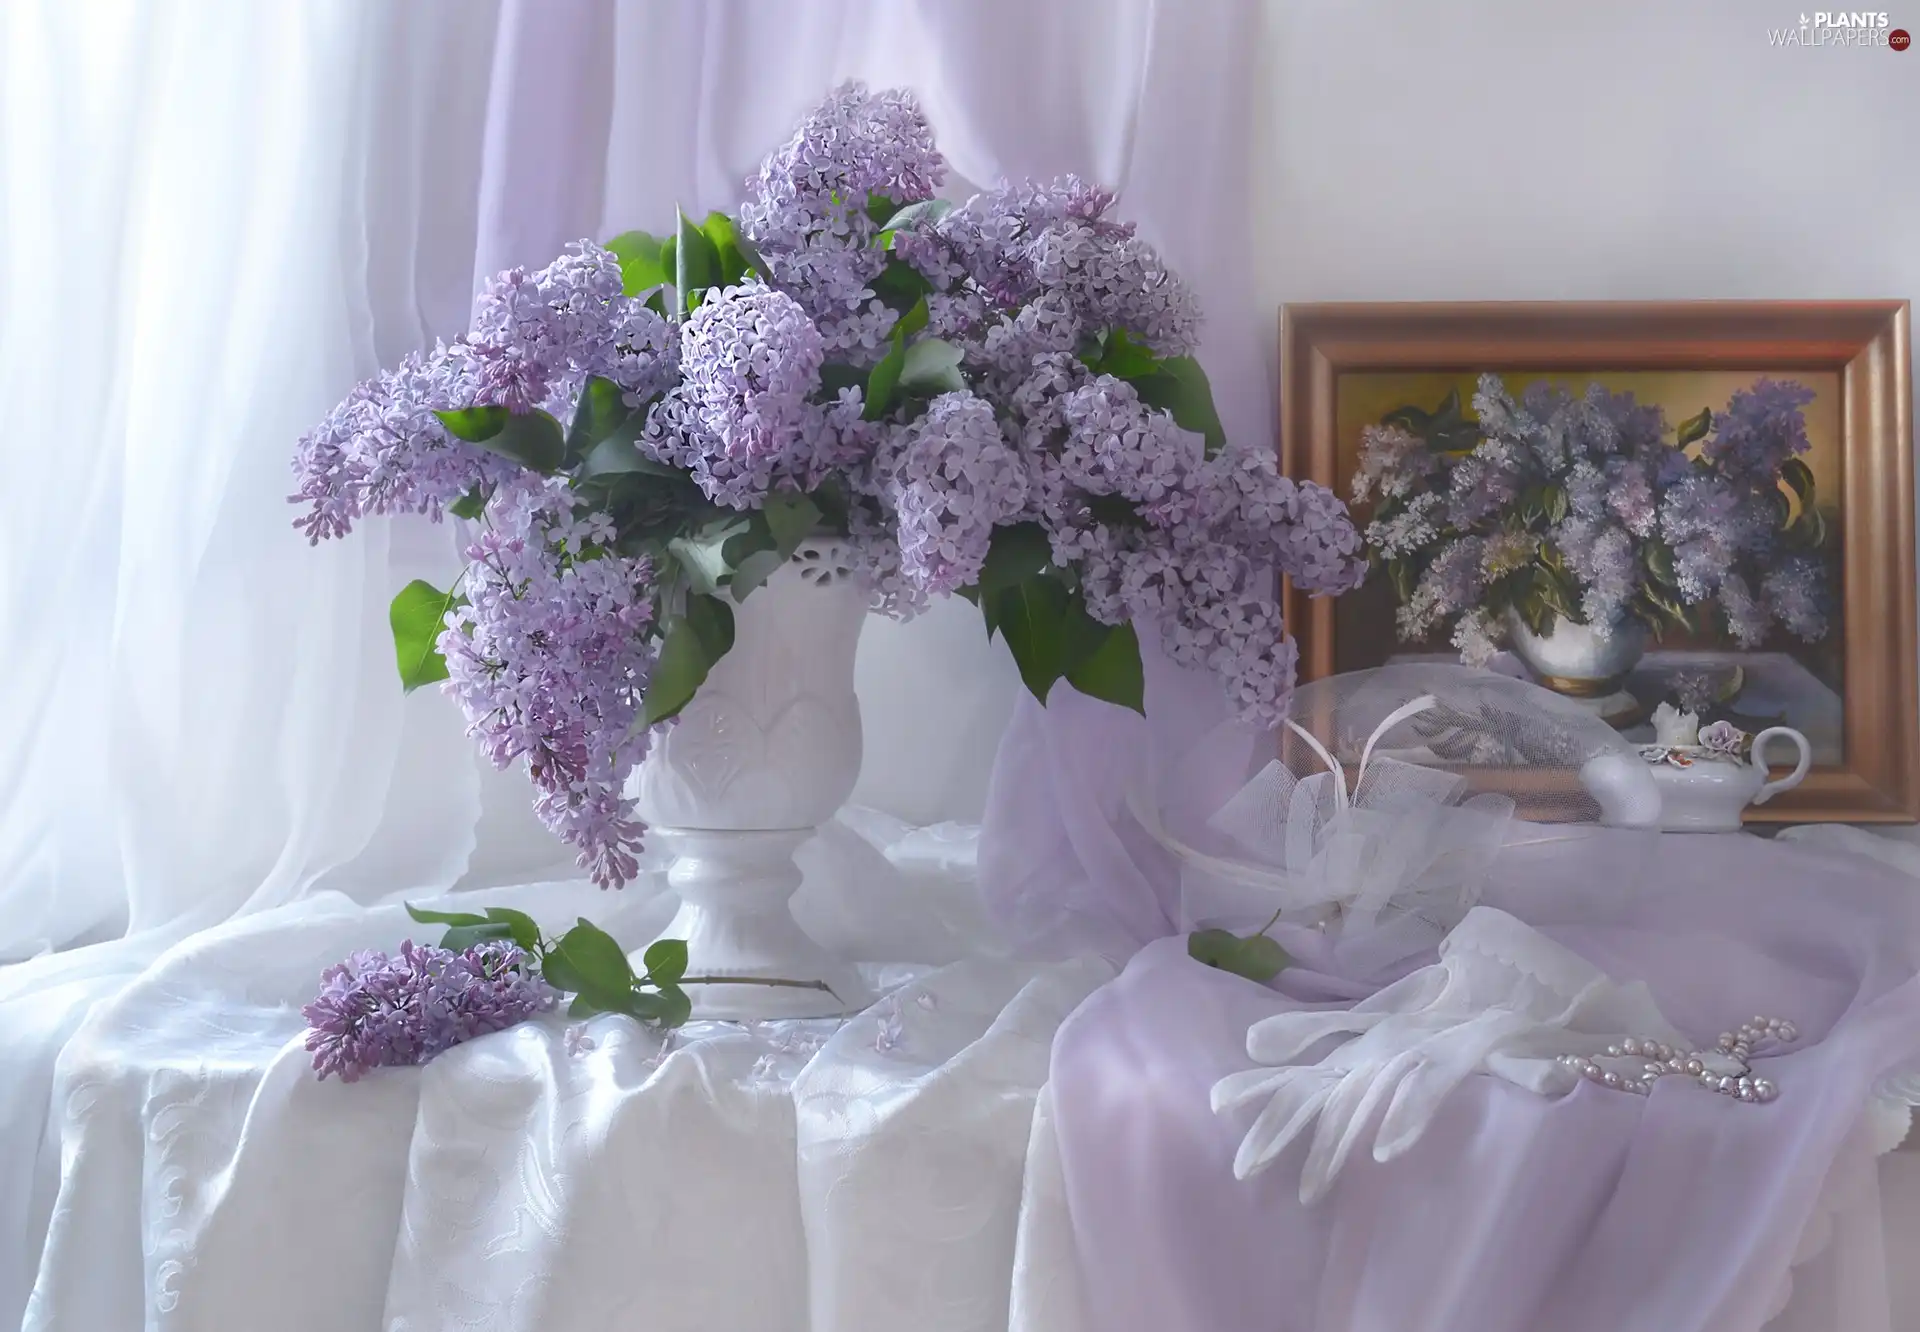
[768, 749]
[1572, 659]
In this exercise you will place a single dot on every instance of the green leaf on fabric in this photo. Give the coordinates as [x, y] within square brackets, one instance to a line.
[462, 937]
[696, 263]
[1257, 957]
[417, 616]
[666, 961]
[474, 424]
[694, 641]
[731, 259]
[1112, 671]
[1694, 427]
[426, 917]
[581, 1007]
[525, 931]
[602, 410]
[590, 955]
[668, 1007]
[1180, 388]
[1031, 618]
[931, 367]
[640, 266]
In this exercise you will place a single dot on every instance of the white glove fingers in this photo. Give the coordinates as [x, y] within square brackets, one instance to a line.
[1446, 1061]
[1284, 1037]
[1238, 1089]
[1292, 1108]
[1344, 1121]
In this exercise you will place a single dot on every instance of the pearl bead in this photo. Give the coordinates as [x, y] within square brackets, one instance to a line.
[1611, 1079]
[1789, 1032]
[1695, 1067]
[1630, 1046]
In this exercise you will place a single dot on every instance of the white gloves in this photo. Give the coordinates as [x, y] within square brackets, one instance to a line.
[1503, 999]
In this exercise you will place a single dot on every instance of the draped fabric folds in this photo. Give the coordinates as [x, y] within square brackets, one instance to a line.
[217, 220]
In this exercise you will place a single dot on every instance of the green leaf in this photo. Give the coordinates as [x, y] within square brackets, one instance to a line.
[835, 376]
[696, 263]
[1123, 358]
[417, 616]
[474, 424]
[911, 321]
[560, 974]
[668, 1007]
[532, 439]
[1032, 619]
[1257, 957]
[525, 931]
[1410, 419]
[931, 367]
[703, 561]
[733, 262]
[426, 917]
[1694, 427]
[881, 209]
[462, 937]
[694, 641]
[1799, 477]
[617, 456]
[883, 383]
[1180, 388]
[791, 518]
[1112, 672]
[590, 955]
[1447, 415]
[1554, 501]
[1658, 556]
[470, 505]
[581, 1007]
[899, 285]
[1014, 553]
[924, 213]
[602, 409]
[640, 266]
[666, 961]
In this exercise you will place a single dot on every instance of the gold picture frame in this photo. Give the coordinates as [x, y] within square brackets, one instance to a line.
[1862, 349]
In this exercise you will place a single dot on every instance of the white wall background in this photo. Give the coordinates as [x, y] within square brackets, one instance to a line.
[1507, 150]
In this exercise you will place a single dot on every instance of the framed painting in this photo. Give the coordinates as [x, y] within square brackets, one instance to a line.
[1706, 504]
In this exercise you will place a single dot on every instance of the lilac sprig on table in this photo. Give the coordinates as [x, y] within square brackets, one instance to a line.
[1588, 507]
[997, 399]
[491, 970]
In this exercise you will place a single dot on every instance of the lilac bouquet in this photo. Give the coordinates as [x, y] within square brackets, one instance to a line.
[1554, 505]
[996, 399]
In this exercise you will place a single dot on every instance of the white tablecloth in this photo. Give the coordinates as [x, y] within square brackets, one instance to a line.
[888, 1171]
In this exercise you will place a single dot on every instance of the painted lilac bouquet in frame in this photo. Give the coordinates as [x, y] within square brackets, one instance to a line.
[995, 399]
[1553, 505]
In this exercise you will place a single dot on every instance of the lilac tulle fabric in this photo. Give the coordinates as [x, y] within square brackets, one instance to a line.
[1682, 1211]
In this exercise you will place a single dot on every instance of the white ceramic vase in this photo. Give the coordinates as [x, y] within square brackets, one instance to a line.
[1572, 659]
[767, 751]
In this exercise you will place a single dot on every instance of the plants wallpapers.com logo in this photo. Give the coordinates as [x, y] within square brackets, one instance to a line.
[1842, 29]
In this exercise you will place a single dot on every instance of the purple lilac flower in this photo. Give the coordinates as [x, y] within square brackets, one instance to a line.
[1761, 428]
[1710, 526]
[375, 1011]
[1608, 568]
[383, 451]
[1452, 584]
[1392, 464]
[1117, 445]
[954, 480]
[1796, 592]
[531, 329]
[1485, 482]
[548, 660]
[806, 209]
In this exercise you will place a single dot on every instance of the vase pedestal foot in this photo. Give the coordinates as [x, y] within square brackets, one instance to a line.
[736, 890]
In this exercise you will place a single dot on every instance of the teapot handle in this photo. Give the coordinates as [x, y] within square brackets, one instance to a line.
[1792, 779]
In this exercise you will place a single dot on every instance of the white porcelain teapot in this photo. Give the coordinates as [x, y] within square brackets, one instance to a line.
[1704, 780]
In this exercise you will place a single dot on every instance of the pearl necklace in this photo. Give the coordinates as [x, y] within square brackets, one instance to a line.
[1727, 1070]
